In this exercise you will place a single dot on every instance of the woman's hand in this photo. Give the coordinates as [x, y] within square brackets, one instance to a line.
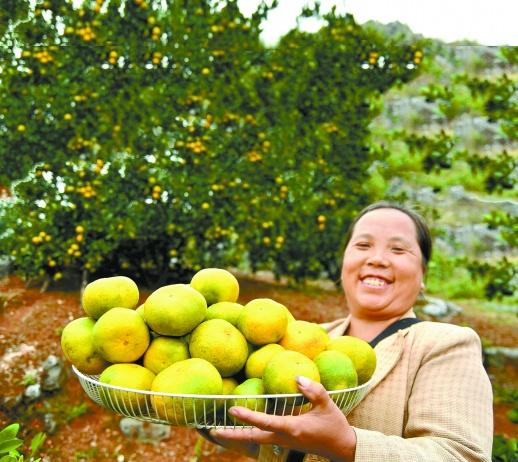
[323, 430]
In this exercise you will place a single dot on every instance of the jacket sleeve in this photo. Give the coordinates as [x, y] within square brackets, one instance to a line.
[449, 410]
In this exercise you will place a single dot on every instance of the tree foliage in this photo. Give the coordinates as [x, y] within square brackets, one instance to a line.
[151, 141]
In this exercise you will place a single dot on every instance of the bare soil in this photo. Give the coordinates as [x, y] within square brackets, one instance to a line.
[30, 329]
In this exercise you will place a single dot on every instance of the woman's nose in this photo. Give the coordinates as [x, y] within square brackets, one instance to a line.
[377, 259]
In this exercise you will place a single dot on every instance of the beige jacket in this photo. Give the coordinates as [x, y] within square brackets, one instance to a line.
[430, 400]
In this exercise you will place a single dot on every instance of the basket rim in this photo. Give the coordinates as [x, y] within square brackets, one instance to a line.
[93, 379]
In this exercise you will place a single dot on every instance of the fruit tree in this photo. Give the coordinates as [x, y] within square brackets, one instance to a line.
[154, 138]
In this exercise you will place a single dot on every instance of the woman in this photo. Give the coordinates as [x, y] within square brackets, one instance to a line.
[430, 398]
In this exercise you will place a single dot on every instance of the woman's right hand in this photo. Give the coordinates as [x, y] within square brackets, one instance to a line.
[323, 430]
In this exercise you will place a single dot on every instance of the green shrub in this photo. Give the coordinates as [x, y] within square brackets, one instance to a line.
[505, 450]
[449, 278]
[152, 141]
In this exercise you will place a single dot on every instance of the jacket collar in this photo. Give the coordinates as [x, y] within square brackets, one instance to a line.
[388, 351]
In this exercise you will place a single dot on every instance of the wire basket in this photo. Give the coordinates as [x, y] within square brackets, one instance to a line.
[202, 411]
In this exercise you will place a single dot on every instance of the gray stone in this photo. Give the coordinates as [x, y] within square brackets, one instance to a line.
[501, 356]
[53, 373]
[49, 422]
[477, 131]
[439, 308]
[51, 361]
[144, 431]
[457, 192]
[411, 111]
[5, 266]
[32, 392]
[9, 403]
[511, 353]
[425, 195]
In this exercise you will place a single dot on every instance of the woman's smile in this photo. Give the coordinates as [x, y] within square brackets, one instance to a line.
[375, 282]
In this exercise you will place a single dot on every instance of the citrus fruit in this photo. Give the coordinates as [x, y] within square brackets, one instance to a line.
[336, 370]
[77, 345]
[253, 386]
[258, 359]
[140, 310]
[229, 311]
[229, 383]
[126, 375]
[281, 371]
[361, 353]
[291, 318]
[220, 343]
[164, 351]
[216, 285]
[263, 321]
[174, 310]
[121, 335]
[305, 337]
[190, 376]
[105, 293]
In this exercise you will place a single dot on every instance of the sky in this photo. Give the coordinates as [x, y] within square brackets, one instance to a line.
[489, 22]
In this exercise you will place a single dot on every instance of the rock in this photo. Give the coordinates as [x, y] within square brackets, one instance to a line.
[506, 352]
[475, 240]
[130, 427]
[9, 403]
[5, 265]
[501, 356]
[477, 131]
[411, 111]
[144, 431]
[439, 308]
[32, 393]
[49, 422]
[51, 361]
[53, 373]
[425, 195]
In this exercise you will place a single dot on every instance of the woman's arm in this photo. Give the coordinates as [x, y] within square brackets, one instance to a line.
[449, 413]
[449, 407]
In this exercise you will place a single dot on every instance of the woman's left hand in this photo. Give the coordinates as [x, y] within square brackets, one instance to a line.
[323, 430]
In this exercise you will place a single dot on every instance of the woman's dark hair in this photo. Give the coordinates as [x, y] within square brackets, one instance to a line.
[424, 238]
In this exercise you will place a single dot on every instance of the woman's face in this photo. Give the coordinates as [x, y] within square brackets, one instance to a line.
[382, 268]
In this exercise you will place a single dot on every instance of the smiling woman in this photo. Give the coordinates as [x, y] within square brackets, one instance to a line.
[383, 268]
[430, 398]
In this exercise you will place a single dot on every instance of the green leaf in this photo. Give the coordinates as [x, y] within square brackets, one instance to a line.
[8, 458]
[10, 444]
[37, 441]
[9, 432]
[512, 415]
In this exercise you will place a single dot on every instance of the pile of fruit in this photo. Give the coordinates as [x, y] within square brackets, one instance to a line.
[196, 339]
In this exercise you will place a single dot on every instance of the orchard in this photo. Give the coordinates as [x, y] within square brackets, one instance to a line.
[152, 141]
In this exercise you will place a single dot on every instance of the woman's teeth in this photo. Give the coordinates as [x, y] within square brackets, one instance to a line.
[375, 282]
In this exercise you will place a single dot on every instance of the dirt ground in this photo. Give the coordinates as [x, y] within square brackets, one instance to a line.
[30, 328]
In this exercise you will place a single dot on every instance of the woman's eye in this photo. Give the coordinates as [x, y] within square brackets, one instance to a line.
[398, 249]
[362, 245]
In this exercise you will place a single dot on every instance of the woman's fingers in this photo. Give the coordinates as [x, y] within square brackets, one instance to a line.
[314, 391]
[247, 435]
[260, 420]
